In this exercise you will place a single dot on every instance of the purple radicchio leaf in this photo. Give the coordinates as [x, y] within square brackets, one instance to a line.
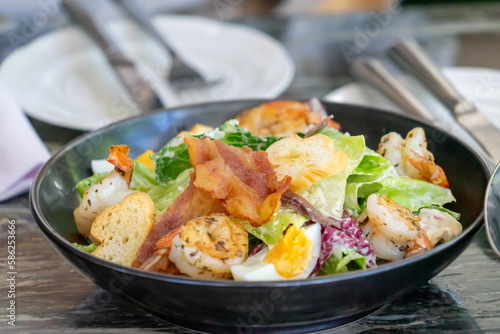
[349, 236]
[257, 249]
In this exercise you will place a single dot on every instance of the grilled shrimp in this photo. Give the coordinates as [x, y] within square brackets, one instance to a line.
[390, 148]
[124, 165]
[110, 191]
[439, 226]
[208, 246]
[393, 230]
[281, 118]
[159, 261]
[410, 157]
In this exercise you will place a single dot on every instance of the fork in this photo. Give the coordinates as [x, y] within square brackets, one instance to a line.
[181, 76]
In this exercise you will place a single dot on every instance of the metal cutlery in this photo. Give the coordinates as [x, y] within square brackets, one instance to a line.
[412, 58]
[373, 72]
[492, 211]
[137, 83]
[181, 75]
[480, 131]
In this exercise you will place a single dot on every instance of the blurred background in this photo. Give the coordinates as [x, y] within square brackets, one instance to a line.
[318, 34]
[321, 36]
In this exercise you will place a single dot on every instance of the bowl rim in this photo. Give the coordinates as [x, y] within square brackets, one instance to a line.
[53, 236]
[487, 223]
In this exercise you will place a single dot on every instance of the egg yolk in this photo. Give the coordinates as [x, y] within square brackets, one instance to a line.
[145, 159]
[292, 254]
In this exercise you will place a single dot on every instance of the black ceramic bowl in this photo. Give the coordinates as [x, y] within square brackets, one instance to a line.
[244, 307]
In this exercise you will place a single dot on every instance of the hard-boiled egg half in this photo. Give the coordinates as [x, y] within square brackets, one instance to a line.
[293, 257]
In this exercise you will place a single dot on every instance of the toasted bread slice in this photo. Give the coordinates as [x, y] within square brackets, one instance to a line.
[197, 129]
[307, 160]
[121, 229]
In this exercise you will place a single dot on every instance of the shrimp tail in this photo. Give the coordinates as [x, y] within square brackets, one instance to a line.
[393, 230]
[124, 165]
[430, 171]
[159, 261]
[421, 244]
[167, 239]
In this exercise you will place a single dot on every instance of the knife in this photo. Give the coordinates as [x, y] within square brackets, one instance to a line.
[373, 72]
[412, 58]
[137, 83]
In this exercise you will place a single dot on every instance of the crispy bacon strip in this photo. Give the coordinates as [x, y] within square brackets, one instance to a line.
[192, 203]
[244, 181]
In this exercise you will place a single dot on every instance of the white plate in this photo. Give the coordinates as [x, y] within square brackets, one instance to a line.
[480, 85]
[62, 78]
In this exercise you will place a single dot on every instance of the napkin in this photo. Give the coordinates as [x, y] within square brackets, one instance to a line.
[22, 153]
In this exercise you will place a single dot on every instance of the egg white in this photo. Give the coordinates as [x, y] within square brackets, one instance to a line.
[101, 166]
[255, 269]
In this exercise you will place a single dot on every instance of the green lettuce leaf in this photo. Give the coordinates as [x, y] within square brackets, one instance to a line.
[86, 248]
[328, 194]
[414, 194]
[143, 179]
[376, 175]
[173, 158]
[372, 164]
[366, 179]
[342, 261]
[272, 231]
[164, 195]
[353, 146]
[332, 133]
[454, 214]
[88, 182]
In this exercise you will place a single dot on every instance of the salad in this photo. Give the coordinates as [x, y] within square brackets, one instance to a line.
[278, 193]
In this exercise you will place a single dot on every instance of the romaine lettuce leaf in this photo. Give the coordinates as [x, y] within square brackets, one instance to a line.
[332, 133]
[83, 185]
[366, 179]
[372, 164]
[86, 248]
[353, 146]
[328, 194]
[376, 175]
[272, 231]
[414, 194]
[143, 179]
[173, 158]
[454, 214]
[164, 195]
[342, 261]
